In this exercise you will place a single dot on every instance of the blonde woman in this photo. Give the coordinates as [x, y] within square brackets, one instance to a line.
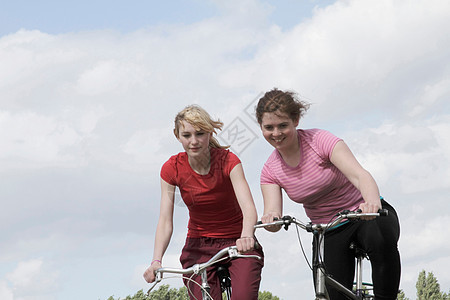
[221, 209]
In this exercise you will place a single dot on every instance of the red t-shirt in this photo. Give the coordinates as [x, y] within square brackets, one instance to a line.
[213, 208]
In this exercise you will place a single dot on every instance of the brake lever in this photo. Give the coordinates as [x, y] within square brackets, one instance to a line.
[157, 280]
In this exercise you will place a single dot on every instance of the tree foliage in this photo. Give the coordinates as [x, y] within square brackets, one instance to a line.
[166, 293]
[267, 296]
[428, 287]
[401, 296]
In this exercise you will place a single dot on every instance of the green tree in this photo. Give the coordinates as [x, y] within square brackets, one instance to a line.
[267, 296]
[428, 287]
[401, 296]
[166, 293]
[163, 293]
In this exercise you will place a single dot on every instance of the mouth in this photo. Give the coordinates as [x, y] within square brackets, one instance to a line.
[277, 140]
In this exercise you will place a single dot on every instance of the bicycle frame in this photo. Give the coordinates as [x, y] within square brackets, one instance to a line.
[227, 253]
[322, 278]
[319, 273]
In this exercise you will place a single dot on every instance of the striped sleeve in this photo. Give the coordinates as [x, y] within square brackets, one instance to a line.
[267, 176]
[324, 142]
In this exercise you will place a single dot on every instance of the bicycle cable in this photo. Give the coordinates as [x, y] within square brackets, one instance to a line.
[321, 239]
[198, 284]
[301, 246]
[190, 279]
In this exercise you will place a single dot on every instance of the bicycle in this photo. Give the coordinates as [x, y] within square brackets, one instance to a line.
[219, 259]
[322, 278]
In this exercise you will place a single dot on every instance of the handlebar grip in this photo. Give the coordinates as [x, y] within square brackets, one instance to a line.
[383, 212]
[260, 222]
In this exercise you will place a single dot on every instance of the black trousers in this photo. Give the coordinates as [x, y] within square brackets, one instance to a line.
[379, 238]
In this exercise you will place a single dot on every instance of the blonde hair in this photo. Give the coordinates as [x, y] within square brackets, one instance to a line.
[200, 120]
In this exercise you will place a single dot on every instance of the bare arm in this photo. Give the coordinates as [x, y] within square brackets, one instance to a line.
[273, 205]
[243, 194]
[164, 229]
[346, 162]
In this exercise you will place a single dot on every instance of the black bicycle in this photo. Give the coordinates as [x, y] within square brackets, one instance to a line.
[361, 289]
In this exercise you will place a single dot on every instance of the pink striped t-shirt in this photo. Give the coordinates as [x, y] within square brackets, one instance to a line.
[315, 182]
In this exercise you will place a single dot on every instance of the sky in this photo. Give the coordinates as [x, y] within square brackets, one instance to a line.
[89, 90]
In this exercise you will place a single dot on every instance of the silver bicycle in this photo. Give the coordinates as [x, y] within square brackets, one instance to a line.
[219, 259]
[361, 290]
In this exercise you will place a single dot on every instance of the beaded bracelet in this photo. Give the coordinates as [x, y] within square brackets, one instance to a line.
[155, 261]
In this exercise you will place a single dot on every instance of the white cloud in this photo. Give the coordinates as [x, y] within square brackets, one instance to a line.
[431, 95]
[31, 139]
[413, 155]
[146, 146]
[420, 242]
[32, 279]
[5, 291]
[34, 137]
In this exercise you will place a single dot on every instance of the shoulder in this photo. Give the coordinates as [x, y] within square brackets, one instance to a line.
[174, 161]
[313, 133]
[172, 167]
[273, 157]
[224, 160]
[273, 161]
[224, 155]
[316, 135]
[320, 141]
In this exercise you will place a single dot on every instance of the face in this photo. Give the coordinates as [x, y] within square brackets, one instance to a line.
[194, 142]
[279, 130]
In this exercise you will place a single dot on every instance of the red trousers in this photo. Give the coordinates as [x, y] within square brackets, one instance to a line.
[245, 273]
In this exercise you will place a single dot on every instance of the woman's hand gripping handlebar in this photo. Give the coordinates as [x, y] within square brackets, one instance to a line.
[227, 253]
[285, 221]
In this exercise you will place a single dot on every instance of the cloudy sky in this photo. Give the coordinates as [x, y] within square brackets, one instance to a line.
[89, 90]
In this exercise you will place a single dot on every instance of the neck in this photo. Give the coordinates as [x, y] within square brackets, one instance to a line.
[291, 153]
[201, 163]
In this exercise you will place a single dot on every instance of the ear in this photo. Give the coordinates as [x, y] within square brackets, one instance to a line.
[296, 122]
[176, 134]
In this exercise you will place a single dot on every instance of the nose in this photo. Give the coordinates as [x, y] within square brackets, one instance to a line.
[193, 140]
[276, 131]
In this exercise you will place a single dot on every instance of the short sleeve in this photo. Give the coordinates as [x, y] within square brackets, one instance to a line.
[231, 161]
[324, 142]
[266, 176]
[168, 172]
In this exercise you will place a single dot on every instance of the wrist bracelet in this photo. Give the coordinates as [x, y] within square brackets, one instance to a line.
[155, 260]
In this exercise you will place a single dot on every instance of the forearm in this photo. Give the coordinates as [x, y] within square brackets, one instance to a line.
[369, 189]
[162, 239]
[250, 218]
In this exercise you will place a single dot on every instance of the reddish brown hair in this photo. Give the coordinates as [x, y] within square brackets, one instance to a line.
[277, 101]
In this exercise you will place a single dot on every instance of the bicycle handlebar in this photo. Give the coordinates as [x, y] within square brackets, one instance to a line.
[310, 227]
[230, 252]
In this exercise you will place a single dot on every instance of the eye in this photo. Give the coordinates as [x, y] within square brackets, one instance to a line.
[268, 127]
